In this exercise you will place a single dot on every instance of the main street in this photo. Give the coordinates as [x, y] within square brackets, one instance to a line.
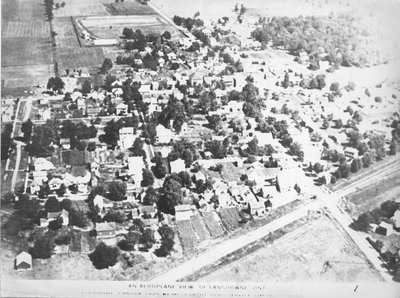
[25, 117]
[329, 201]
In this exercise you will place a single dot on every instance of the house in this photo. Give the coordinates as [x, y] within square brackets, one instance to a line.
[23, 261]
[183, 212]
[117, 92]
[65, 143]
[102, 203]
[303, 58]
[177, 166]
[121, 109]
[164, 135]
[196, 78]
[351, 153]
[257, 208]
[106, 231]
[396, 219]
[135, 168]
[199, 176]
[42, 164]
[384, 228]
[126, 137]
[6, 113]
[64, 214]
[147, 210]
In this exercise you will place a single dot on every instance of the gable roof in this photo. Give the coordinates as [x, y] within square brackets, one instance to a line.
[23, 257]
[106, 226]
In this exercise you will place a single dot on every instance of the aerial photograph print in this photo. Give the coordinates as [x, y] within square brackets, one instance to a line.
[199, 143]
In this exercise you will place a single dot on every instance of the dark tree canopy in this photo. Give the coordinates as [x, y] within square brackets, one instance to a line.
[104, 256]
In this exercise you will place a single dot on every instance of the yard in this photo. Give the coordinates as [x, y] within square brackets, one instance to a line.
[300, 255]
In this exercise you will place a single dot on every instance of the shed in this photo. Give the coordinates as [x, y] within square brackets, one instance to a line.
[23, 261]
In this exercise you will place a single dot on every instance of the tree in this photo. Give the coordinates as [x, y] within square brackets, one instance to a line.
[344, 170]
[42, 248]
[171, 196]
[295, 149]
[147, 239]
[26, 129]
[148, 178]
[366, 159]
[78, 218]
[217, 149]
[106, 66]
[52, 205]
[128, 244]
[61, 191]
[116, 191]
[104, 256]
[393, 148]
[114, 216]
[86, 87]
[161, 167]
[167, 241]
[56, 224]
[166, 35]
[334, 87]
[63, 239]
[151, 196]
[55, 84]
[214, 122]
[355, 165]
[66, 204]
[362, 222]
[286, 81]
[318, 168]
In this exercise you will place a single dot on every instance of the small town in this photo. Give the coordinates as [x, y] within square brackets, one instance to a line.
[163, 146]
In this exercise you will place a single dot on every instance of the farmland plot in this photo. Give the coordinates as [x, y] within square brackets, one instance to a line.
[230, 218]
[187, 236]
[79, 58]
[23, 29]
[66, 36]
[213, 224]
[25, 75]
[83, 8]
[200, 228]
[25, 51]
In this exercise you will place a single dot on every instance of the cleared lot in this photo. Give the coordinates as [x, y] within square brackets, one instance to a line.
[300, 255]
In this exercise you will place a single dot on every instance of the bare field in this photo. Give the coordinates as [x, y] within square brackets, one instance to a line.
[25, 75]
[22, 10]
[81, 9]
[66, 36]
[300, 255]
[26, 29]
[79, 58]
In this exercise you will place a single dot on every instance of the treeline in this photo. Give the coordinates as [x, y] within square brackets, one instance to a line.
[343, 39]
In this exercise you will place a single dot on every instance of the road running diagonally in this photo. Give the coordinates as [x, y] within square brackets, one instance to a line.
[328, 201]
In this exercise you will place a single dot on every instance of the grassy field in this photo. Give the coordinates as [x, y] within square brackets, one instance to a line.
[300, 255]
[25, 46]
[129, 8]
[66, 36]
[79, 58]
[370, 197]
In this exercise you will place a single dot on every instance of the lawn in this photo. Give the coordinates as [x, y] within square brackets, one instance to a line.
[213, 224]
[299, 255]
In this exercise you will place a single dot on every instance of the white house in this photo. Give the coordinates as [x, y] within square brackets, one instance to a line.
[121, 109]
[183, 212]
[177, 166]
[164, 135]
[126, 137]
[396, 219]
[23, 261]
[135, 168]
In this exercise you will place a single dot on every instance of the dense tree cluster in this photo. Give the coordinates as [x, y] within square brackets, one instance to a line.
[6, 141]
[55, 84]
[111, 131]
[342, 37]
[185, 150]
[77, 132]
[43, 139]
[104, 256]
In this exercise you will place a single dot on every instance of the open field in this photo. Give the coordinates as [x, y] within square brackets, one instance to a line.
[25, 51]
[66, 36]
[129, 8]
[81, 8]
[300, 255]
[370, 197]
[79, 58]
[110, 27]
[25, 75]
[26, 45]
